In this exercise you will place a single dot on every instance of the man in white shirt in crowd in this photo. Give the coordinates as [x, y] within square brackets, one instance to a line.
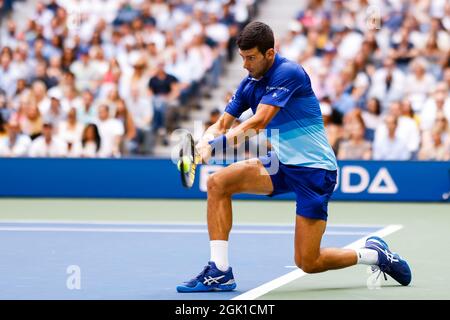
[48, 145]
[388, 84]
[407, 129]
[15, 144]
[87, 110]
[390, 146]
[141, 109]
[111, 131]
[84, 70]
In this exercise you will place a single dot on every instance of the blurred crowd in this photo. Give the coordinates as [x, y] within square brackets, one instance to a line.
[381, 70]
[110, 78]
[102, 78]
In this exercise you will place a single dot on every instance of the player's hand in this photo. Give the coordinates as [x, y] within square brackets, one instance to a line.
[204, 149]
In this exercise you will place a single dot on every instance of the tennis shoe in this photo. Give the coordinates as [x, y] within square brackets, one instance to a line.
[210, 279]
[389, 262]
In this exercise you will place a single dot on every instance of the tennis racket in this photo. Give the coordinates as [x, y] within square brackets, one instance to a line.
[189, 158]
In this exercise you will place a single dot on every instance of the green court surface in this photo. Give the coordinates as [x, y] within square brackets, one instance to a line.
[423, 240]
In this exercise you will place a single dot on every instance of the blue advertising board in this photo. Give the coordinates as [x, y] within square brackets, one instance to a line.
[159, 178]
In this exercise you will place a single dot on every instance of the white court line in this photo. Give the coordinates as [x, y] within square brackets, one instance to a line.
[161, 230]
[298, 273]
[169, 223]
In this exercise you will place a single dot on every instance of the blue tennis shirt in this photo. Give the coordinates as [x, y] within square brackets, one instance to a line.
[300, 137]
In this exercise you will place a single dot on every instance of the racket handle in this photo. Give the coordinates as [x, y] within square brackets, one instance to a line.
[197, 158]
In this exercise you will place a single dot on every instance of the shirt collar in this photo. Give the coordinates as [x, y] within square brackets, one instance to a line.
[275, 64]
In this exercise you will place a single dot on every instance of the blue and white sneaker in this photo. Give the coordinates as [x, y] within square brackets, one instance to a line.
[389, 262]
[210, 279]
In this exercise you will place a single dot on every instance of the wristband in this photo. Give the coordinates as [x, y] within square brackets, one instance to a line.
[220, 141]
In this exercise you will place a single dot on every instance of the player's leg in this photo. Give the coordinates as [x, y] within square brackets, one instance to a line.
[313, 188]
[242, 177]
[309, 256]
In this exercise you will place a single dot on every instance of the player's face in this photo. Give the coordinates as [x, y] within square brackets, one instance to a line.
[255, 62]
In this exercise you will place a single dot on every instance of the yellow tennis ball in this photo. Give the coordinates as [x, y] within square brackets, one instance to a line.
[186, 164]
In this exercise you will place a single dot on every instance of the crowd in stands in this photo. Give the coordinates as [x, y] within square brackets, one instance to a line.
[110, 78]
[101, 78]
[381, 70]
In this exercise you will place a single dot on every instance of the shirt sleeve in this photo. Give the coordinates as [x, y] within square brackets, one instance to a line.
[286, 82]
[237, 104]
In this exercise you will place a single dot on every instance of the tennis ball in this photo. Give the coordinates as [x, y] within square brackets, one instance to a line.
[186, 164]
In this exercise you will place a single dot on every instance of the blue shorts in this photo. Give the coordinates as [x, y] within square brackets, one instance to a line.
[312, 186]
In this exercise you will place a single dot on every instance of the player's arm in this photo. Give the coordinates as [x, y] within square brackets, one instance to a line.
[224, 123]
[264, 114]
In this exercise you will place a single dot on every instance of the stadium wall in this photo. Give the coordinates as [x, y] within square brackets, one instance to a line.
[159, 178]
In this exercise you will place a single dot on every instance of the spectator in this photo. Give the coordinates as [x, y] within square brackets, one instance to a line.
[403, 50]
[39, 96]
[419, 83]
[2, 127]
[8, 37]
[355, 148]
[87, 111]
[438, 149]
[164, 90]
[122, 114]
[141, 111]
[333, 124]
[442, 126]
[90, 142]
[55, 113]
[31, 123]
[111, 131]
[113, 99]
[387, 84]
[343, 101]
[15, 144]
[408, 111]
[8, 76]
[438, 104]
[113, 74]
[5, 111]
[48, 145]
[42, 75]
[390, 146]
[85, 71]
[70, 130]
[371, 117]
[138, 77]
[435, 56]
[407, 129]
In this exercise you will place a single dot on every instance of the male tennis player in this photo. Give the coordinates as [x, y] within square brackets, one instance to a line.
[279, 93]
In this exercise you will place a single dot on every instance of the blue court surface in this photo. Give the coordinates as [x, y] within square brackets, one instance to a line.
[116, 260]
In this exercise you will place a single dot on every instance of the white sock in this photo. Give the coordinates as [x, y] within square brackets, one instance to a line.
[367, 256]
[219, 254]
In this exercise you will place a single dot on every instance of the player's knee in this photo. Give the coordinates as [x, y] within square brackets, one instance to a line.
[307, 265]
[215, 185]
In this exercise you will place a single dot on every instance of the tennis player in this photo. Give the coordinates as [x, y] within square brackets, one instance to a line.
[279, 93]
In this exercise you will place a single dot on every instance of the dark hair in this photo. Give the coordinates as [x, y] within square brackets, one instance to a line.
[256, 34]
[2, 123]
[96, 134]
[377, 106]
